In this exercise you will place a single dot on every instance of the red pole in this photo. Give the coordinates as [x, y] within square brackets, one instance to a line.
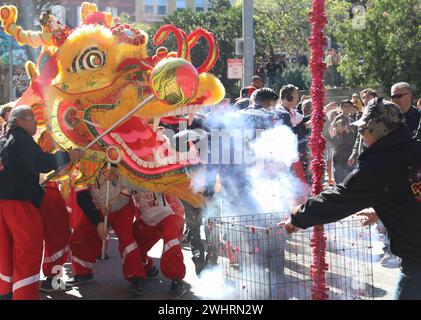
[317, 43]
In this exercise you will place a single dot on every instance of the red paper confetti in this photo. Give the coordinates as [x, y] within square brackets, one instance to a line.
[317, 43]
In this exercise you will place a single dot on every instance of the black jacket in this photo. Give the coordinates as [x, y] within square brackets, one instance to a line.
[22, 161]
[413, 117]
[387, 178]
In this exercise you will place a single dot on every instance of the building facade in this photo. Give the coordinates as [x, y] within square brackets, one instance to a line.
[152, 11]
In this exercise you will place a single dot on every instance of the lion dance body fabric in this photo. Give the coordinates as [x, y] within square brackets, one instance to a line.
[88, 78]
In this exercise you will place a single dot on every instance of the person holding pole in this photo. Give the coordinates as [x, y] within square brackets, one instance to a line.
[21, 229]
[91, 230]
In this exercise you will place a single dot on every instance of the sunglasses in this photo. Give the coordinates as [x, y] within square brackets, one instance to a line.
[398, 96]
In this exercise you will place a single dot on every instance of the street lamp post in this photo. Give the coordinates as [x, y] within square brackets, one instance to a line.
[248, 43]
[11, 97]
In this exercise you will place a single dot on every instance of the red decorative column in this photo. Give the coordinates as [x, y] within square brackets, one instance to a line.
[317, 43]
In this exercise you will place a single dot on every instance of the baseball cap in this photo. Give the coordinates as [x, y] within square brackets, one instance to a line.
[381, 117]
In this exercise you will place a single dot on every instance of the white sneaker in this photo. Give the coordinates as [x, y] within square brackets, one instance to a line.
[390, 261]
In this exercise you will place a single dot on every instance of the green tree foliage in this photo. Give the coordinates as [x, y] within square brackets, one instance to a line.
[279, 26]
[385, 50]
[282, 25]
[225, 33]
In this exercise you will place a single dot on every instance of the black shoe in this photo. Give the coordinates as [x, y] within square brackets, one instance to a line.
[178, 289]
[152, 272]
[59, 286]
[199, 263]
[6, 296]
[137, 286]
[100, 257]
[81, 280]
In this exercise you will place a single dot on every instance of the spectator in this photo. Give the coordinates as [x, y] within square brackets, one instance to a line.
[342, 137]
[246, 92]
[256, 82]
[303, 132]
[285, 109]
[331, 111]
[299, 106]
[241, 104]
[385, 179]
[357, 102]
[272, 70]
[260, 71]
[263, 99]
[306, 107]
[286, 114]
[366, 96]
[401, 94]
[5, 112]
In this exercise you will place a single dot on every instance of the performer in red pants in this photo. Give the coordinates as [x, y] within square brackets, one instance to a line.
[21, 229]
[55, 220]
[86, 240]
[162, 217]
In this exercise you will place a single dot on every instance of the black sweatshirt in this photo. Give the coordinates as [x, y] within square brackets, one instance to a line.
[388, 178]
[413, 117]
[22, 161]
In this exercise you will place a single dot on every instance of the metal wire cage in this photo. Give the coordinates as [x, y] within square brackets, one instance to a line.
[260, 261]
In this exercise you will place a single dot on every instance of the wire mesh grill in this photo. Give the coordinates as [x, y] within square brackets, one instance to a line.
[260, 261]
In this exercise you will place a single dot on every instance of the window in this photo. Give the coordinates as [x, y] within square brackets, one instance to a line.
[180, 4]
[162, 7]
[155, 7]
[200, 5]
[149, 6]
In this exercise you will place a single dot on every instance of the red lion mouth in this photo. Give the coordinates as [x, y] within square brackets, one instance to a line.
[145, 151]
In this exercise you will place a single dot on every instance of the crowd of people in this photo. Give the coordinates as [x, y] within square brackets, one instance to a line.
[364, 133]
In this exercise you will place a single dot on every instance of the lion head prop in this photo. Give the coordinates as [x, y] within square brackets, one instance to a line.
[88, 78]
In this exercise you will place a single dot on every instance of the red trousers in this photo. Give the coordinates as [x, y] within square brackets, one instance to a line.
[86, 245]
[75, 212]
[55, 219]
[21, 236]
[170, 229]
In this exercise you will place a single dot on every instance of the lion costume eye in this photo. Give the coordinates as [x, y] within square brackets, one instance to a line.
[91, 59]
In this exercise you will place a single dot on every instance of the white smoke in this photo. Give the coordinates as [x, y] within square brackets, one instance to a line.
[261, 185]
[275, 186]
[212, 285]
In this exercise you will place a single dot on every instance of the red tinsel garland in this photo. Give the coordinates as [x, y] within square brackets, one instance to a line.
[317, 43]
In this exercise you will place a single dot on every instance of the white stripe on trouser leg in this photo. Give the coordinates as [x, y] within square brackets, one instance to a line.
[170, 244]
[57, 255]
[128, 249]
[5, 278]
[83, 263]
[25, 282]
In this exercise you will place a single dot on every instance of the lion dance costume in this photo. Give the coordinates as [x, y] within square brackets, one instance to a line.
[88, 78]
